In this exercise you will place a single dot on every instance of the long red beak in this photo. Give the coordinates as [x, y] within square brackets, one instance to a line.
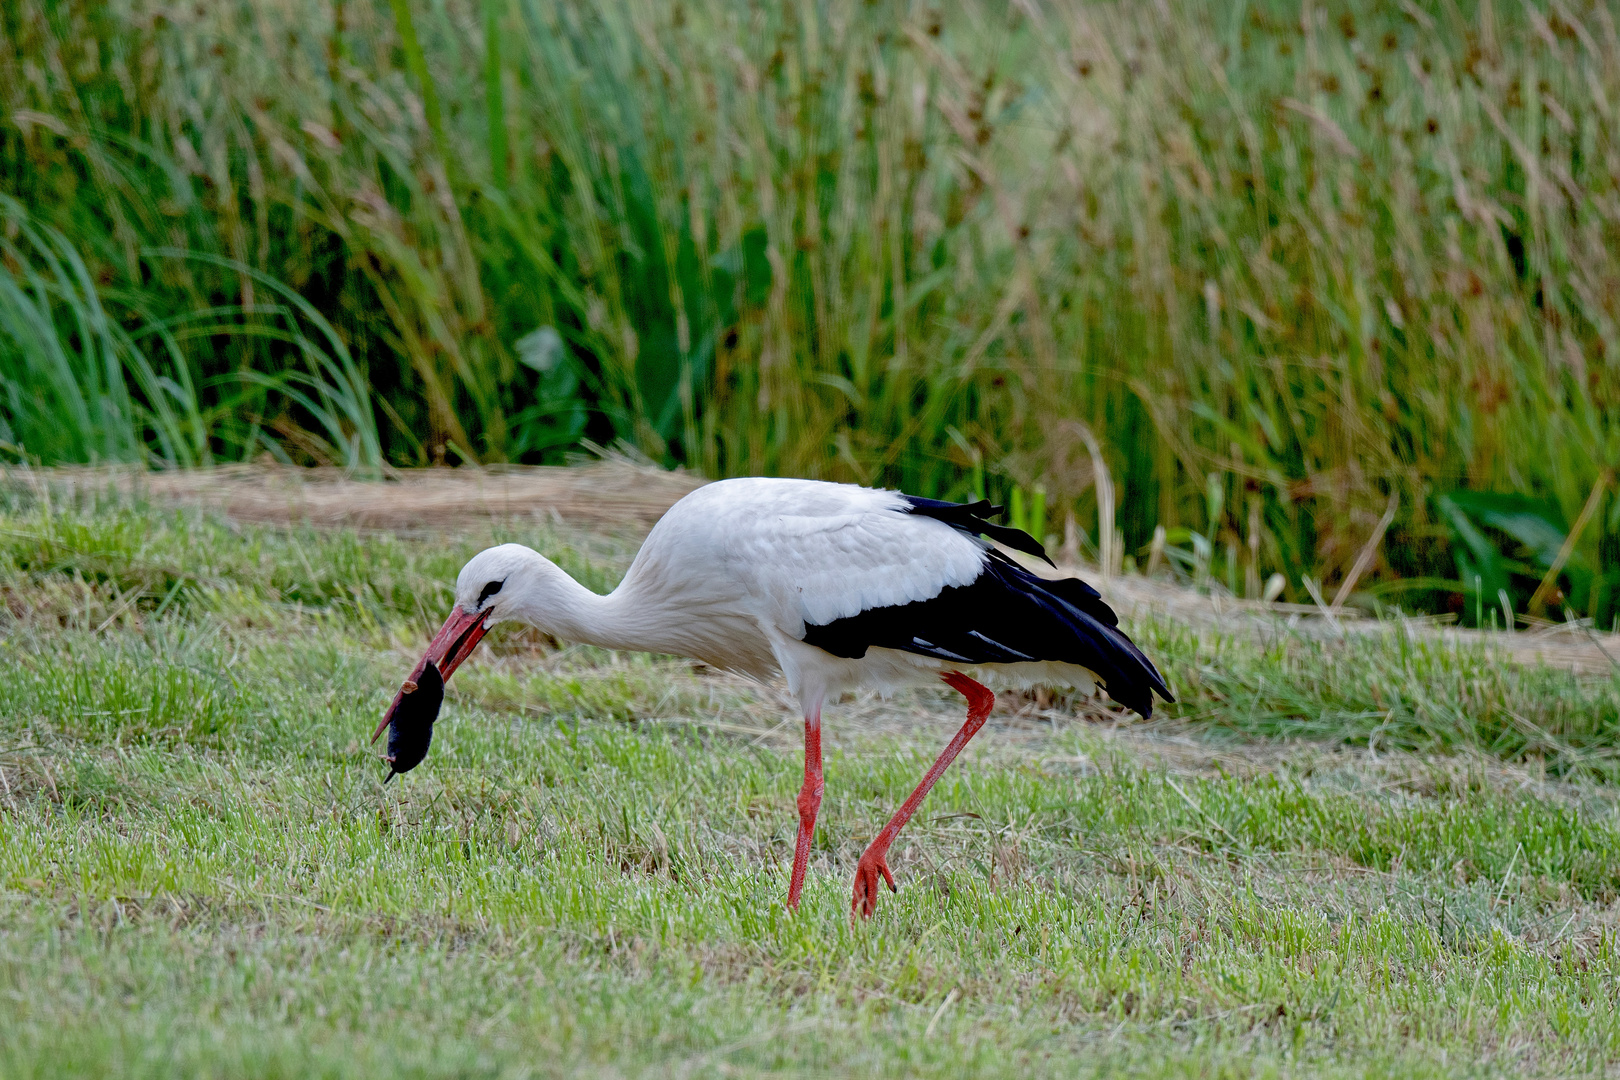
[459, 635]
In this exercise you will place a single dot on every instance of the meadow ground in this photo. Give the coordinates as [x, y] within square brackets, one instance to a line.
[202, 873]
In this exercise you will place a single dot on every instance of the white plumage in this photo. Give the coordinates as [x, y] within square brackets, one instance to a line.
[832, 586]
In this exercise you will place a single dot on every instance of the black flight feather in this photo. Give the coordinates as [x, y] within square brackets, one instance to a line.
[973, 519]
[411, 730]
[1006, 615]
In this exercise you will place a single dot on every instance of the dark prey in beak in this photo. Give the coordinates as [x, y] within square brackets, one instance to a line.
[411, 728]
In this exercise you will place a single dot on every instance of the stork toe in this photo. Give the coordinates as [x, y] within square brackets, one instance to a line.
[873, 864]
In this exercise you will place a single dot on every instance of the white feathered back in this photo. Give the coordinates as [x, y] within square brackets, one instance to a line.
[810, 551]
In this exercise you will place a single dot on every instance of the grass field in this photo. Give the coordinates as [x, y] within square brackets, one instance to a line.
[201, 873]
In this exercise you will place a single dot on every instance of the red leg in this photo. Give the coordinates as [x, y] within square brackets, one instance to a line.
[809, 804]
[875, 860]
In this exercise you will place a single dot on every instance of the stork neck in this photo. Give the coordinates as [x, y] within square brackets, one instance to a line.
[557, 604]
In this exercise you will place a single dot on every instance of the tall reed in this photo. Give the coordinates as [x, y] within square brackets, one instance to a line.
[1285, 261]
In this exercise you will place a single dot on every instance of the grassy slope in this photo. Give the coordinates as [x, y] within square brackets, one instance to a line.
[199, 871]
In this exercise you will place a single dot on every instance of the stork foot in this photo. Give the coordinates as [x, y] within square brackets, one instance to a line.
[874, 864]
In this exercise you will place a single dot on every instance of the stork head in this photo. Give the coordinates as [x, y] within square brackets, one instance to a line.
[486, 593]
[482, 585]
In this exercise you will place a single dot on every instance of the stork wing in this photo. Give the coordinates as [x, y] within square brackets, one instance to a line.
[1006, 615]
[846, 569]
[813, 552]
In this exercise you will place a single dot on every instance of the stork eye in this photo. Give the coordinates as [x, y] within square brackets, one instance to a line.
[489, 590]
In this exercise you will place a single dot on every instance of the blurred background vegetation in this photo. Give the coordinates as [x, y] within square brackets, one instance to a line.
[1276, 275]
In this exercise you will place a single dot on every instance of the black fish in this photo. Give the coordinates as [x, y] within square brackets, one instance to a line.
[410, 731]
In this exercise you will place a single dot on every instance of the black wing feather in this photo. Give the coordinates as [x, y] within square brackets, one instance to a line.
[973, 519]
[1006, 615]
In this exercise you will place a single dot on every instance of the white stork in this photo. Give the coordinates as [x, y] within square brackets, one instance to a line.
[830, 585]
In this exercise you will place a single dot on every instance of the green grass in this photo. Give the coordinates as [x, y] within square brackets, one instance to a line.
[202, 874]
[1285, 262]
